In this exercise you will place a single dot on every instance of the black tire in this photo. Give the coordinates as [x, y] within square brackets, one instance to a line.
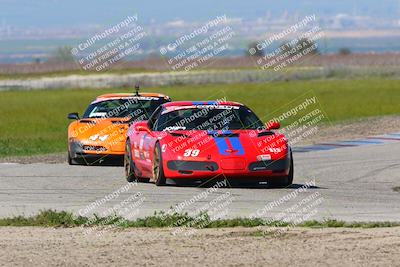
[128, 163]
[69, 159]
[291, 171]
[158, 171]
[284, 181]
[72, 161]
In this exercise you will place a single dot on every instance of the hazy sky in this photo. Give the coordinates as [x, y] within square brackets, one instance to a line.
[84, 12]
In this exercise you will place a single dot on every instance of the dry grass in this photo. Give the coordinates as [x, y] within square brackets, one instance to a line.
[159, 64]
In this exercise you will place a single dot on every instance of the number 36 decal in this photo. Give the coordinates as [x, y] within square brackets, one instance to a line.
[191, 152]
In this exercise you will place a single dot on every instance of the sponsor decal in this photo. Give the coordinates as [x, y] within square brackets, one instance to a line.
[275, 150]
[264, 157]
[163, 148]
[174, 128]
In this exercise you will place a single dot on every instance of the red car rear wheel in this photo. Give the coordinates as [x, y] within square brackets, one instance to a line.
[128, 163]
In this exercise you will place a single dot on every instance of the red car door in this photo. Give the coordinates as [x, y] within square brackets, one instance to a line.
[145, 140]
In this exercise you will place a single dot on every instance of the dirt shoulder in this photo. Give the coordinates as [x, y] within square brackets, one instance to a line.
[342, 131]
[45, 158]
[208, 247]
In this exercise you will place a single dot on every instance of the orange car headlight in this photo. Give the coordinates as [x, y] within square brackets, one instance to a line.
[100, 137]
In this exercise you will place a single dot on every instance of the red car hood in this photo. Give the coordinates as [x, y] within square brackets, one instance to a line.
[216, 145]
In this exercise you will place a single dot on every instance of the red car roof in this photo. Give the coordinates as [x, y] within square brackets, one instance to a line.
[201, 103]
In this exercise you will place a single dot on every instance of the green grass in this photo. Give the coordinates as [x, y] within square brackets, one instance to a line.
[51, 218]
[34, 122]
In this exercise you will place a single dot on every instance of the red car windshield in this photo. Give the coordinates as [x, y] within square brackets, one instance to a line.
[208, 118]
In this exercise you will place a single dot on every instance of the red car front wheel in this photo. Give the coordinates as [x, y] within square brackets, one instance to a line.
[158, 171]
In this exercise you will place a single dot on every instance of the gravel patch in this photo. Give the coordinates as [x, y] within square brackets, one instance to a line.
[30, 246]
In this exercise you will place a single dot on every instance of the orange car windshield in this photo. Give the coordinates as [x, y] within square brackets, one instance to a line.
[122, 108]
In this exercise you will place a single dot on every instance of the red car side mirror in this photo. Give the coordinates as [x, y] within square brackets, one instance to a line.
[273, 125]
[142, 127]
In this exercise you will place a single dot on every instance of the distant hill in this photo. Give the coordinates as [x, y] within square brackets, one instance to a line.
[49, 13]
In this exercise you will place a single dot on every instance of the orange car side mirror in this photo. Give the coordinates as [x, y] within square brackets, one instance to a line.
[73, 116]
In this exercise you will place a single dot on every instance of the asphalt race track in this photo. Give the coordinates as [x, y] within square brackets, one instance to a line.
[354, 183]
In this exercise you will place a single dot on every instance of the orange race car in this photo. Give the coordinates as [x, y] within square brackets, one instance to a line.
[101, 132]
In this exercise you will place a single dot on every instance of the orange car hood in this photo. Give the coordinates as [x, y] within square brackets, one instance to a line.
[85, 128]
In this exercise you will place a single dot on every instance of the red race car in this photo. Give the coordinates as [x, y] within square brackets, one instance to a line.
[201, 141]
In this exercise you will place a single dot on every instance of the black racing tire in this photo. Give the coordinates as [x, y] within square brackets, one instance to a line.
[72, 161]
[69, 159]
[129, 164]
[284, 181]
[158, 171]
[291, 171]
